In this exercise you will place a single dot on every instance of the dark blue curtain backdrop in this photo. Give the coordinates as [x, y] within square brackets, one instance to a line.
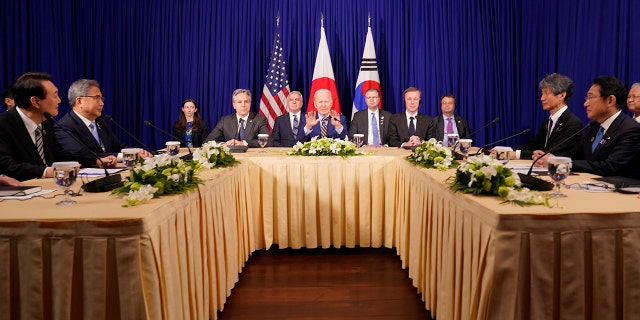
[149, 55]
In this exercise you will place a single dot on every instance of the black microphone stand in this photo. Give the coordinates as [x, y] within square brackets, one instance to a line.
[106, 183]
[186, 156]
[110, 118]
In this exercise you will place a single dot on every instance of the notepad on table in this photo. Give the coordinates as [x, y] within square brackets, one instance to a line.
[6, 191]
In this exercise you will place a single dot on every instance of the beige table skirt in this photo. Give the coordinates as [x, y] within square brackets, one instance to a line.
[178, 257]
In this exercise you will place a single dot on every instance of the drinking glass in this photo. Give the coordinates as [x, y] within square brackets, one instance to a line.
[465, 145]
[65, 175]
[358, 139]
[559, 168]
[452, 140]
[502, 154]
[173, 147]
[263, 138]
[130, 157]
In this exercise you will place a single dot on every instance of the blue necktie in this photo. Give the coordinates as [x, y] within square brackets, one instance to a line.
[241, 130]
[94, 132]
[412, 127]
[374, 130]
[596, 141]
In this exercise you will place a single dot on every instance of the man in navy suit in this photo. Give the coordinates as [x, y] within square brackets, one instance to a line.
[28, 145]
[325, 123]
[85, 124]
[288, 128]
[555, 92]
[371, 120]
[611, 147]
[242, 127]
[449, 122]
[410, 127]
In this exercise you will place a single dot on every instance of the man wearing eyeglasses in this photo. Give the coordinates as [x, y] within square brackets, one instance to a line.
[28, 146]
[85, 123]
[448, 122]
[633, 101]
[611, 146]
[372, 122]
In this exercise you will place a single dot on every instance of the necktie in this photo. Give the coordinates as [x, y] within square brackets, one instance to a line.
[241, 130]
[323, 128]
[549, 128]
[449, 126]
[412, 127]
[374, 130]
[40, 144]
[296, 124]
[94, 132]
[596, 141]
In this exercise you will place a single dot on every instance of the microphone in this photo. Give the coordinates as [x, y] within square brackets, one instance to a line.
[559, 144]
[186, 156]
[237, 148]
[525, 131]
[534, 183]
[496, 119]
[110, 118]
[106, 183]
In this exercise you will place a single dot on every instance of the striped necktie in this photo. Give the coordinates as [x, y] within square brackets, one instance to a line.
[40, 144]
[323, 128]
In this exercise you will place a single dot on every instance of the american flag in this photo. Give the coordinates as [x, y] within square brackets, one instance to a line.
[276, 85]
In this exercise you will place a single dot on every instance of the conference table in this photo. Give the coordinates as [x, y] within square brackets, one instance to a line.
[178, 257]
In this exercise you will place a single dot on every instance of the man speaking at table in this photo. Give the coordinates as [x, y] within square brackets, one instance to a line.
[84, 122]
[28, 145]
[325, 123]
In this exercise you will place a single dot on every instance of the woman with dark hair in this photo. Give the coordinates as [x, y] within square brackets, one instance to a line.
[190, 128]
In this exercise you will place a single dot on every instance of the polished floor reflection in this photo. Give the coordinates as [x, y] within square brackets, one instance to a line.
[360, 283]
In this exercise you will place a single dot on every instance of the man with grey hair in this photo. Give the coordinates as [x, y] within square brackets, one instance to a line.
[325, 122]
[556, 90]
[242, 127]
[633, 101]
[288, 128]
[85, 124]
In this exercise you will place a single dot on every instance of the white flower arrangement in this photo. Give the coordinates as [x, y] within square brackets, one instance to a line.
[214, 155]
[432, 154]
[486, 175]
[157, 176]
[325, 147]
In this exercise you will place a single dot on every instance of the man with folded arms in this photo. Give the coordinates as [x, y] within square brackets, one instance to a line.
[85, 124]
[556, 90]
[611, 147]
[325, 123]
[242, 127]
[410, 127]
[373, 123]
[28, 146]
[287, 129]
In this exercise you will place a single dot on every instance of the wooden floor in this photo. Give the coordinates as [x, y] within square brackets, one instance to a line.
[360, 283]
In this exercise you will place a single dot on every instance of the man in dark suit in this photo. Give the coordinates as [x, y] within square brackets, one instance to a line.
[373, 123]
[85, 124]
[325, 123]
[28, 145]
[448, 122]
[288, 128]
[409, 128]
[611, 147]
[556, 90]
[241, 127]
